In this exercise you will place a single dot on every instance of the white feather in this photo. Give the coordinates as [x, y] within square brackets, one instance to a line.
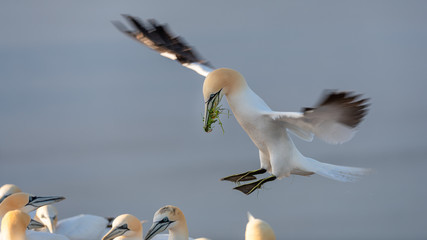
[83, 227]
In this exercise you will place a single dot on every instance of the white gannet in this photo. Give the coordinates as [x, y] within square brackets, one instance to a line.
[169, 218]
[25, 202]
[8, 189]
[48, 215]
[334, 120]
[257, 229]
[125, 226]
[15, 223]
[80, 227]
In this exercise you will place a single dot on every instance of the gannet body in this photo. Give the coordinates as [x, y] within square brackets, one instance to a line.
[257, 229]
[83, 227]
[8, 189]
[334, 120]
[15, 223]
[80, 227]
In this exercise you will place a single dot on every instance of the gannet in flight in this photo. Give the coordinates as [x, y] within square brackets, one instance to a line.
[80, 227]
[25, 202]
[257, 229]
[8, 189]
[15, 223]
[169, 218]
[333, 120]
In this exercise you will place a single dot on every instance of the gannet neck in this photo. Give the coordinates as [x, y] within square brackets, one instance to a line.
[179, 232]
[229, 80]
[48, 216]
[13, 202]
[8, 189]
[257, 229]
[14, 224]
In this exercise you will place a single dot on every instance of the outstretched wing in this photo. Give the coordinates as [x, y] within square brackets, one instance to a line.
[159, 38]
[333, 120]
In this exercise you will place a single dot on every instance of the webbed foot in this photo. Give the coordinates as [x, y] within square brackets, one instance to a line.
[246, 176]
[251, 187]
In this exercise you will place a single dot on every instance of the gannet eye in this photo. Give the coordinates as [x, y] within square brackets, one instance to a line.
[124, 226]
[54, 217]
[43, 216]
[165, 219]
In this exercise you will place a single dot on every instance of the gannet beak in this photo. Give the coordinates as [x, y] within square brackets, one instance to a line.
[35, 202]
[157, 228]
[115, 232]
[51, 224]
[35, 225]
[210, 107]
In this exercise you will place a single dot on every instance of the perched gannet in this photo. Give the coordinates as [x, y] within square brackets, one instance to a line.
[80, 227]
[257, 229]
[334, 120]
[169, 218]
[25, 202]
[125, 226]
[48, 215]
[15, 223]
[8, 189]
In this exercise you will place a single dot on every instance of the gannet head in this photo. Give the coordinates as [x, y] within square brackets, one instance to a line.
[257, 229]
[48, 216]
[8, 189]
[25, 202]
[222, 81]
[168, 218]
[15, 223]
[123, 227]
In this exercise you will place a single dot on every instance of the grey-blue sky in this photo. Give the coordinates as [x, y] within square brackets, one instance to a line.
[84, 104]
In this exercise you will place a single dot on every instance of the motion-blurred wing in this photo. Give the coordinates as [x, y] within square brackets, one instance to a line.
[333, 120]
[160, 39]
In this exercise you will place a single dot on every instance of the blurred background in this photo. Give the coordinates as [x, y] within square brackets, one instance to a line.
[90, 114]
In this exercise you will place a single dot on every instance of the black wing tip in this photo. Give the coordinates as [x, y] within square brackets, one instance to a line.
[161, 39]
[120, 26]
[355, 108]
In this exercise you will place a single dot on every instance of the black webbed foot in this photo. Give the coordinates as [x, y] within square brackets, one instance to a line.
[246, 176]
[251, 187]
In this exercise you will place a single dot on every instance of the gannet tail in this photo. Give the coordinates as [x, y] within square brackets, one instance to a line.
[335, 172]
[159, 38]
